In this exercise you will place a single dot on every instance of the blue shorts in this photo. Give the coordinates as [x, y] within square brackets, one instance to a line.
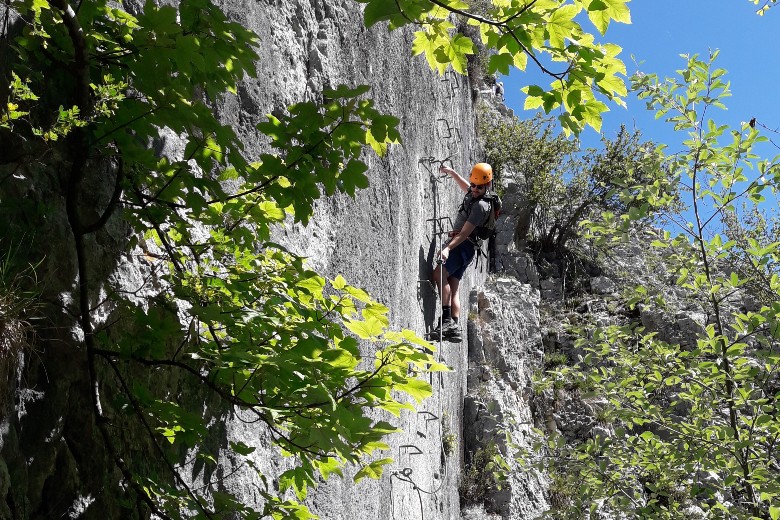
[460, 258]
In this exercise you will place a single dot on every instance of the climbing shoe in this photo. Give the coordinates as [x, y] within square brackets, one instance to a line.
[448, 329]
[435, 334]
[453, 336]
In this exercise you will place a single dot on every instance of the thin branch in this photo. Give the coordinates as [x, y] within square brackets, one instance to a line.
[752, 185]
[153, 437]
[85, 322]
[112, 204]
[271, 179]
[178, 171]
[773, 130]
[502, 25]
[125, 124]
[81, 65]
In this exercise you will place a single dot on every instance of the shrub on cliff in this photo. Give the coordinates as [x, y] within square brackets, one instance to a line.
[562, 185]
[695, 425]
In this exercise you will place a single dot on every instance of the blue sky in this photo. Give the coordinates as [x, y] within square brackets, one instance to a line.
[660, 31]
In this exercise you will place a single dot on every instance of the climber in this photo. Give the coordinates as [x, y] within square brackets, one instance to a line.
[500, 90]
[460, 248]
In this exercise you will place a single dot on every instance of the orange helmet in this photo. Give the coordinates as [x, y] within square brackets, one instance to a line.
[481, 173]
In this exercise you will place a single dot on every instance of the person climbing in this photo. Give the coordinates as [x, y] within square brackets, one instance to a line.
[459, 250]
[500, 90]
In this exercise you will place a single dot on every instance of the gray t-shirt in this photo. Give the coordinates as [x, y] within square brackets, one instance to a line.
[477, 215]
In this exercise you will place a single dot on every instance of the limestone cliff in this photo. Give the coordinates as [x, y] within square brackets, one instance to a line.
[52, 462]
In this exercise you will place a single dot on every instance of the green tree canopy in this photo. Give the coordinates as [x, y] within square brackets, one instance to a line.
[546, 33]
[562, 185]
[692, 426]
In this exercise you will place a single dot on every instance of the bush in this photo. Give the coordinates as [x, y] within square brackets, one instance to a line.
[484, 475]
[17, 305]
[562, 185]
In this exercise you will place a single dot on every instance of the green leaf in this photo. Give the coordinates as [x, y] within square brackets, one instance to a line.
[241, 448]
[329, 467]
[358, 294]
[378, 311]
[601, 12]
[535, 97]
[501, 63]
[271, 211]
[561, 24]
[368, 329]
[455, 52]
[380, 10]
[339, 283]
[353, 176]
[416, 388]
[373, 470]
[340, 359]
[298, 479]
[395, 407]
[315, 284]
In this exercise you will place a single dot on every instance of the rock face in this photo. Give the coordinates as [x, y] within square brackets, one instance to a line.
[52, 464]
[504, 347]
[52, 460]
[382, 240]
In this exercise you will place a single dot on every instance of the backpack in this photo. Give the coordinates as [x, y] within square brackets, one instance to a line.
[488, 229]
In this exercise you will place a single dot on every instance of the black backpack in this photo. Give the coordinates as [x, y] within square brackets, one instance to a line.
[488, 229]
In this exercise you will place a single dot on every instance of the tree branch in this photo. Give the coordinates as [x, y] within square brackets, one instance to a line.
[150, 432]
[112, 204]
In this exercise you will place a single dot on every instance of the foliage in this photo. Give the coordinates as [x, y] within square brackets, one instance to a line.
[17, 300]
[560, 493]
[765, 5]
[546, 32]
[530, 150]
[448, 443]
[449, 440]
[696, 423]
[485, 473]
[746, 226]
[603, 183]
[526, 147]
[561, 185]
[19, 306]
[228, 310]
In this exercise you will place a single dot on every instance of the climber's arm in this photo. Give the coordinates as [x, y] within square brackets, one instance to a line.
[458, 239]
[461, 182]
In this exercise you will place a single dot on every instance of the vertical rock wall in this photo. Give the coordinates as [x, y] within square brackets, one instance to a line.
[51, 463]
[382, 239]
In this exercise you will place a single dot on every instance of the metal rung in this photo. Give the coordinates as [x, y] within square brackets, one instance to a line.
[438, 223]
[407, 446]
